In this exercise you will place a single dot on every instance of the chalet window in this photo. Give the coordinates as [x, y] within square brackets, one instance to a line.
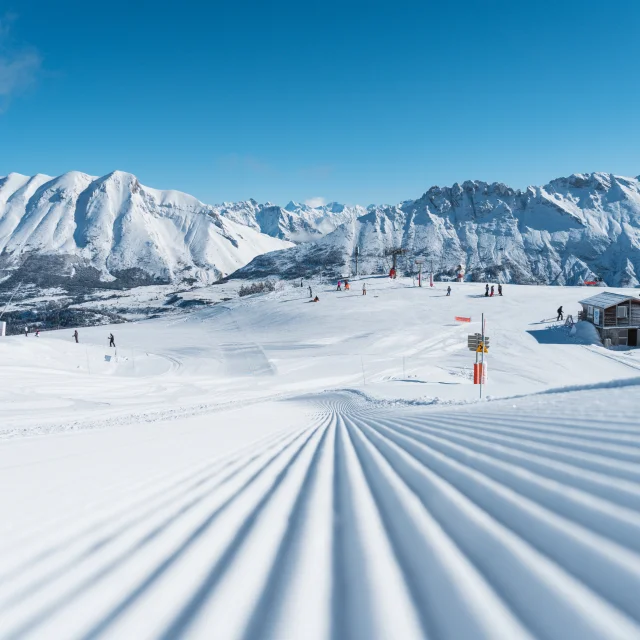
[623, 312]
[589, 311]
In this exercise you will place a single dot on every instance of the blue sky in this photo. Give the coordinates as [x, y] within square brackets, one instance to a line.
[358, 102]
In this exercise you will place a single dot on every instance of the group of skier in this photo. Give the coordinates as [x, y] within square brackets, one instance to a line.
[489, 292]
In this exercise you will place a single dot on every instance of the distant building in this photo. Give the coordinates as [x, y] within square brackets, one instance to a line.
[616, 317]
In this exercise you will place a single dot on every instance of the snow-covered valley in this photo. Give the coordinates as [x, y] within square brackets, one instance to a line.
[270, 467]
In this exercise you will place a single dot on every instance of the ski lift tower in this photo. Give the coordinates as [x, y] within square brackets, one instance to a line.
[419, 262]
[394, 253]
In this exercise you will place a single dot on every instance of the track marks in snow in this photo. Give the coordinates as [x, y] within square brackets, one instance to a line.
[365, 523]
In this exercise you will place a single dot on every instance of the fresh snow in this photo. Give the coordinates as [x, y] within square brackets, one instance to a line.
[269, 467]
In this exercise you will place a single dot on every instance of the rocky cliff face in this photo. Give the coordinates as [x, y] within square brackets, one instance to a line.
[583, 227]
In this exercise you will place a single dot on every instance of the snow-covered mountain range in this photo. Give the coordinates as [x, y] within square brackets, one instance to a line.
[78, 228]
[296, 222]
[573, 229]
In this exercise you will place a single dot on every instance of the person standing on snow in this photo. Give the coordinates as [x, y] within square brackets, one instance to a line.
[364, 289]
[310, 293]
[560, 314]
[347, 287]
[26, 332]
[339, 286]
[486, 291]
[112, 340]
[37, 333]
[492, 291]
[499, 289]
[449, 291]
[75, 335]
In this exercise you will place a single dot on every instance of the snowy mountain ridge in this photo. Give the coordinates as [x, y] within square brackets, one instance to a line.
[583, 227]
[112, 229]
[295, 222]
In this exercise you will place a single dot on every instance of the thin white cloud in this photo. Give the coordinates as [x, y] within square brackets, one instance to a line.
[315, 202]
[19, 66]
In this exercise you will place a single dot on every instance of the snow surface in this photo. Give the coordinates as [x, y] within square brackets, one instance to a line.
[269, 467]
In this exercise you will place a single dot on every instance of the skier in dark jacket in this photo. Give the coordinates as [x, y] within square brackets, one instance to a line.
[75, 335]
[486, 291]
[310, 292]
[560, 314]
[499, 289]
[448, 291]
[112, 340]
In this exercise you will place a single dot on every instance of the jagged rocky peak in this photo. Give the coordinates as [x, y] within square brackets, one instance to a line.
[574, 229]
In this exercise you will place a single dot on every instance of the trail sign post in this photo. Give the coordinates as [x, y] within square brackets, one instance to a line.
[476, 343]
[479, 343]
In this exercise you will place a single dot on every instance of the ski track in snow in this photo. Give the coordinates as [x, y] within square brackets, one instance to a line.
[367, 522]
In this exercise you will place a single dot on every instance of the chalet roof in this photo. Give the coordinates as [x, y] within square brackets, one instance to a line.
[606, 299]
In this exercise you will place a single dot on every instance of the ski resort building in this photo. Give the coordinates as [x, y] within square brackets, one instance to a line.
[615, 316]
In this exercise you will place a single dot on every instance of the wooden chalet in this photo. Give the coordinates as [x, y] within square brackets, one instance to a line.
[615, 316]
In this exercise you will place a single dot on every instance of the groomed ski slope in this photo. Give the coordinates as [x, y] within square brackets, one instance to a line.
[245, 480]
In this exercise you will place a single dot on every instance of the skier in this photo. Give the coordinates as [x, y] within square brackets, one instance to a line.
[301, 283]
[316, 299]
[492, 291]
[486, 291]
[499, 289]
[37, 333]
[346, 285]
[448, 291]
[364, 289]
[75, 335]
[26, 332]
[339, 286]
[112, 340]
[560, 314]
[310, 294]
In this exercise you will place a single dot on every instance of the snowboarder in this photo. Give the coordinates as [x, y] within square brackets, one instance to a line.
[492, 291]
[560, 313]
[316, 299]
[486, 291]
[310, 293]
[499, 289]
[449, 291]
[364, 289]
[26, 332]
[112, 340]
[339, 286]
[75, 335]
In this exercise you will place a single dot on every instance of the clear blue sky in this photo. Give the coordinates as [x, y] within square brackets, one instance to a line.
[358, 102]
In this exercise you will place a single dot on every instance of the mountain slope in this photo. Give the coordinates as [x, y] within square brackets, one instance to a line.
[579, 228]
[113, 229]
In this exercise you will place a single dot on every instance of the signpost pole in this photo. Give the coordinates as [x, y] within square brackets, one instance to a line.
[482, 358]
